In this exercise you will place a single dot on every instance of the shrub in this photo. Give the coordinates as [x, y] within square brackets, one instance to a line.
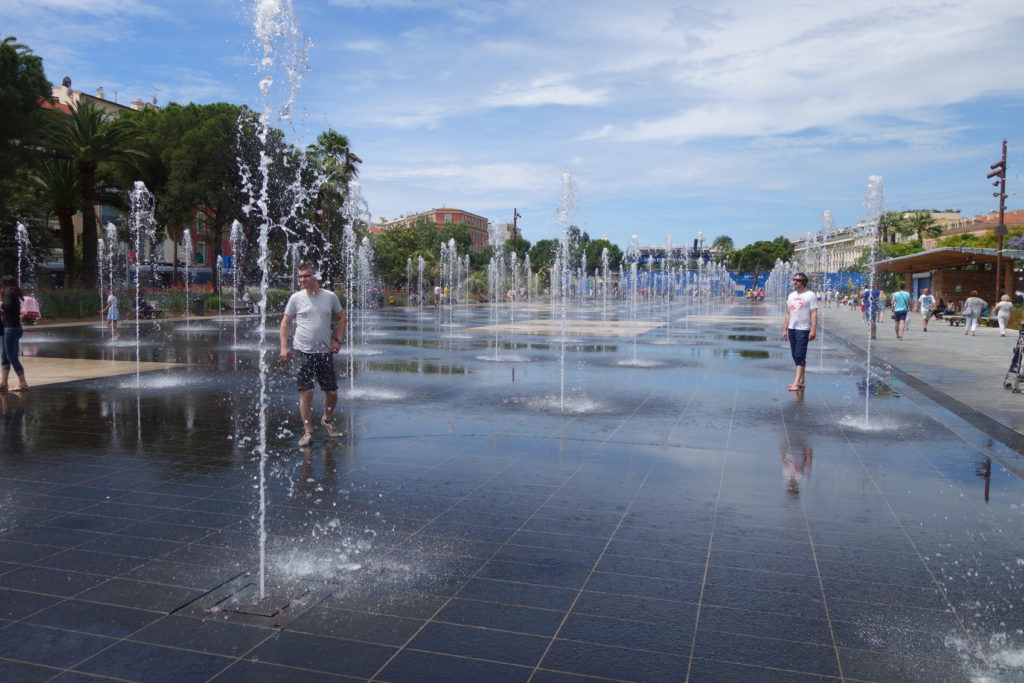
[69, 303]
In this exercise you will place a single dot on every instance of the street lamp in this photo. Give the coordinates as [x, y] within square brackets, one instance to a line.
[999, 173]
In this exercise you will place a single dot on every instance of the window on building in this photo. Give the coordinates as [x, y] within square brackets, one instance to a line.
[200, 255]
[447, 218]
[200, 223]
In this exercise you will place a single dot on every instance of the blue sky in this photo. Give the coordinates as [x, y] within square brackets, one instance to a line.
[740, 117]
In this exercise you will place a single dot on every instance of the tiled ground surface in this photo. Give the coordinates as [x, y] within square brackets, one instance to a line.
[685, 518]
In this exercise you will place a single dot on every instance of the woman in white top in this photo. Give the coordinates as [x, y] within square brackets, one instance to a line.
[112, 315]
[1002, 311]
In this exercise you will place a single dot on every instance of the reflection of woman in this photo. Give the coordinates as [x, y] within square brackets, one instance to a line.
[1002, 311]
[10, 310]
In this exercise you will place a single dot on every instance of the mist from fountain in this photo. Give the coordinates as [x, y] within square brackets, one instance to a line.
[186, 247]
[605, 282]
[421, 281]
[26, 259]
[143, 229]
[282, 49]
[560, 290]
[874, 205]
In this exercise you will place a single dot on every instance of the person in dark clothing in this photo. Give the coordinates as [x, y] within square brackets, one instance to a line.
[10, 318]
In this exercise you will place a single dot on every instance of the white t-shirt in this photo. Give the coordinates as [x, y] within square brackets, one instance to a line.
[926, 301]
[313, 317]
[800, 307]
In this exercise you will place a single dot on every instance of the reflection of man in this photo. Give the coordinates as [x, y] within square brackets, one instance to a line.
[800, 326]
[313, 309]
[797, 457]
[309, 484]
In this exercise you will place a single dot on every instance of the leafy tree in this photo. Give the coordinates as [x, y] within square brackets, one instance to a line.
[55, 185]
[595, 248]
[336, 166]
[724, 247]
[542, 254]
[23, 85]
[520, 246]
[94, 142]
[457, 231]
[962, 240]
[761, 256]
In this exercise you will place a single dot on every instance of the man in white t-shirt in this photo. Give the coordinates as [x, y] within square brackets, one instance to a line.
[314, 309]
[926, 306]
[800, 326]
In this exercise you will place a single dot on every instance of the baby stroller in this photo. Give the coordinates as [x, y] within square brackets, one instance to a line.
[1015, 375]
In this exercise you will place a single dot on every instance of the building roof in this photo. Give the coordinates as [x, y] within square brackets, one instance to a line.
[945, 257]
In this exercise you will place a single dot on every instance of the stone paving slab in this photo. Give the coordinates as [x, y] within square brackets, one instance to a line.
[43, 371]
[683, 519]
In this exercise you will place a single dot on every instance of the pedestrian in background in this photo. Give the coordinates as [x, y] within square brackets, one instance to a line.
[974, 306]
[10, 310]
[1002, 311]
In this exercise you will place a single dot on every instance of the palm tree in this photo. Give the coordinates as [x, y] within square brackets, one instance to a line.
[724, 247]
[57, 190]
[890, 224]
[924, 224]
[56, 185]
[335, 163]
[89, 138]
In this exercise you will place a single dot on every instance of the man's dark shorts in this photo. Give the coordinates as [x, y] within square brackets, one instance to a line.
[798, 345]
[318, 366]
[899, 315]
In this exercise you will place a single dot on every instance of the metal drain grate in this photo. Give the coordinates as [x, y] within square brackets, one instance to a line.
[238, 601]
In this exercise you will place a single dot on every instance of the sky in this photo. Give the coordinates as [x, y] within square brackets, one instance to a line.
[746, 118]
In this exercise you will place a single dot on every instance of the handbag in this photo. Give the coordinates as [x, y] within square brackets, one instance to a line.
[968, 311]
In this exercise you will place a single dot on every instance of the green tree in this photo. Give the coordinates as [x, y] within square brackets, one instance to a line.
[761, 256]
[923, 224]
[542, 254]
[891, 224]
[95, 143]
[457, 231]
[23, 85]
[520, 245]
[724, 247]
[336, 166]
[962, 240]
[594, 249]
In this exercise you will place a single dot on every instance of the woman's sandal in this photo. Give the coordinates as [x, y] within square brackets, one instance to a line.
[20, 389]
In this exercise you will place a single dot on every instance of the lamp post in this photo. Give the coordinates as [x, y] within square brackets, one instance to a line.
[999, 173]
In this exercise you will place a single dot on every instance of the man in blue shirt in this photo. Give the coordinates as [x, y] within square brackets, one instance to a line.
[900, 308]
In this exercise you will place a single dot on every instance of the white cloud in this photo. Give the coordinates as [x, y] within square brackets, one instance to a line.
[542, 91]
[365, 46]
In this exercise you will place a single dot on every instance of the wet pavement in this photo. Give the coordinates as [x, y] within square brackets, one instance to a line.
[650, 508]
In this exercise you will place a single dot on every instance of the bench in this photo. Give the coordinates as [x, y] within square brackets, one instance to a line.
[955, 320]
[151, 313]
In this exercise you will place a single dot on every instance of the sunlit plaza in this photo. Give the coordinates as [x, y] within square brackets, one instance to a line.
[680, 517]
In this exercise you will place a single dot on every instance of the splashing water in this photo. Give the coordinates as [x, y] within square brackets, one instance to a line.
[874, 201]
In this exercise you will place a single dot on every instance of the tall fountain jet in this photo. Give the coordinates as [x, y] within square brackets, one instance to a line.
[561, 272]
[874, 204]
[282, 53]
